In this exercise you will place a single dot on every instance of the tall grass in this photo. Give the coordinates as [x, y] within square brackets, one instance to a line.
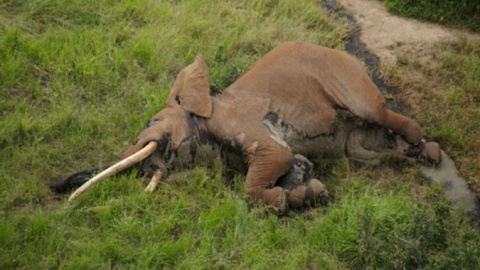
[78, 79]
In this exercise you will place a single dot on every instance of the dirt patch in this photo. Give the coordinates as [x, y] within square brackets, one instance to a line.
[389, 36]
[384, 41]
[455, 187]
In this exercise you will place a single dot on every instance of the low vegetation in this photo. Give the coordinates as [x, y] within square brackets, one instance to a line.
[457, 13]
[443, 83]
[78, 79]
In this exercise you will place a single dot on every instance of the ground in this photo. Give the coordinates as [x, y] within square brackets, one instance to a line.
[389, 36]
[416, 58]
[78, 81]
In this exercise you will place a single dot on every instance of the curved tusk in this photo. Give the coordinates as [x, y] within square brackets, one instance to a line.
[157, 175]
[118, 167]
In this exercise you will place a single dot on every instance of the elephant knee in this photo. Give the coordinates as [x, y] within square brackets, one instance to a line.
[284, 160]
[263, 172]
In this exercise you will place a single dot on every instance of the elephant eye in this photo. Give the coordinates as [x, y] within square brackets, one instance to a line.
[167, 158]
[177, 99]
[153, 122]
[168, 154]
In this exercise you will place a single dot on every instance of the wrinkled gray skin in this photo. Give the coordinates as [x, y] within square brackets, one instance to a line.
[351, 136]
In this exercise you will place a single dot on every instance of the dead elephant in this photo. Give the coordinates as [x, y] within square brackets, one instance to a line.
[300, 100]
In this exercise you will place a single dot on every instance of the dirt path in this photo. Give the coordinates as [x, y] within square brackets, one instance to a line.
[388, 36]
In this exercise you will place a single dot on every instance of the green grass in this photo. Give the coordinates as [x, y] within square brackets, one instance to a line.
[78, 79]
[448, 94]
[117, 225]
[460, 94]
[457, 13]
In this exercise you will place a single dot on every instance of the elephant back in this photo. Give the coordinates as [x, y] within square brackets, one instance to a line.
[305, 84]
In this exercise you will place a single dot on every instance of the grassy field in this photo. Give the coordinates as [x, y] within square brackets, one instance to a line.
[446, 87]
[456, 13]
[448, 93]
[78, 80]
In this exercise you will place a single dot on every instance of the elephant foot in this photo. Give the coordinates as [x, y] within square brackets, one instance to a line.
[275, 198]
[320, 193]
[431, 153]
[427, 151]
[413, 133]
[310, 194]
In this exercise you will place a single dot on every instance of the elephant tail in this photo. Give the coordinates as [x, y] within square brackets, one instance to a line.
[75, 180]
[85, 179]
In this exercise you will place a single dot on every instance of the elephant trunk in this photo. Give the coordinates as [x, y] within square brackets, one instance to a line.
[118, 167]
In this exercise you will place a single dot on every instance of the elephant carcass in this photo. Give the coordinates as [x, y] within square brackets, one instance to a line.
[298, 101]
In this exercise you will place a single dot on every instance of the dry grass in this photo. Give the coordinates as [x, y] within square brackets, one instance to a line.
[442, 85]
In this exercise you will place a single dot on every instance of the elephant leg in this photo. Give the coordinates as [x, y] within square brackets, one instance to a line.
[308, 194]
[299, 173]
[303, 190]
[427, 152]
[401, 125]
[267, 163]
[355, 149]
[374, 145]
[412, 133]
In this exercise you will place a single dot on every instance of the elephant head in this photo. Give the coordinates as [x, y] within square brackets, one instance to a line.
[190, 95]
[168, 129]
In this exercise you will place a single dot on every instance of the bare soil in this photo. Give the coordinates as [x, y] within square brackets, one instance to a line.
[389, 36]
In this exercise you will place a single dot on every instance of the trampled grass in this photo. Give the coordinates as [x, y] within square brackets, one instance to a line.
[78, 79]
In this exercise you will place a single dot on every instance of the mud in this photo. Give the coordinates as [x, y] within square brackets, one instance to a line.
[455, 187]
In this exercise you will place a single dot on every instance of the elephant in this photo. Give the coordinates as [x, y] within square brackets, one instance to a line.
[297, 102]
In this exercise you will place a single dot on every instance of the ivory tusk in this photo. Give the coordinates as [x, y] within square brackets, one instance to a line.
[157, 175]
[118, 167]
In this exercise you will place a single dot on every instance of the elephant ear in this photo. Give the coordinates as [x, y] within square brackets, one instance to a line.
[191, 90]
